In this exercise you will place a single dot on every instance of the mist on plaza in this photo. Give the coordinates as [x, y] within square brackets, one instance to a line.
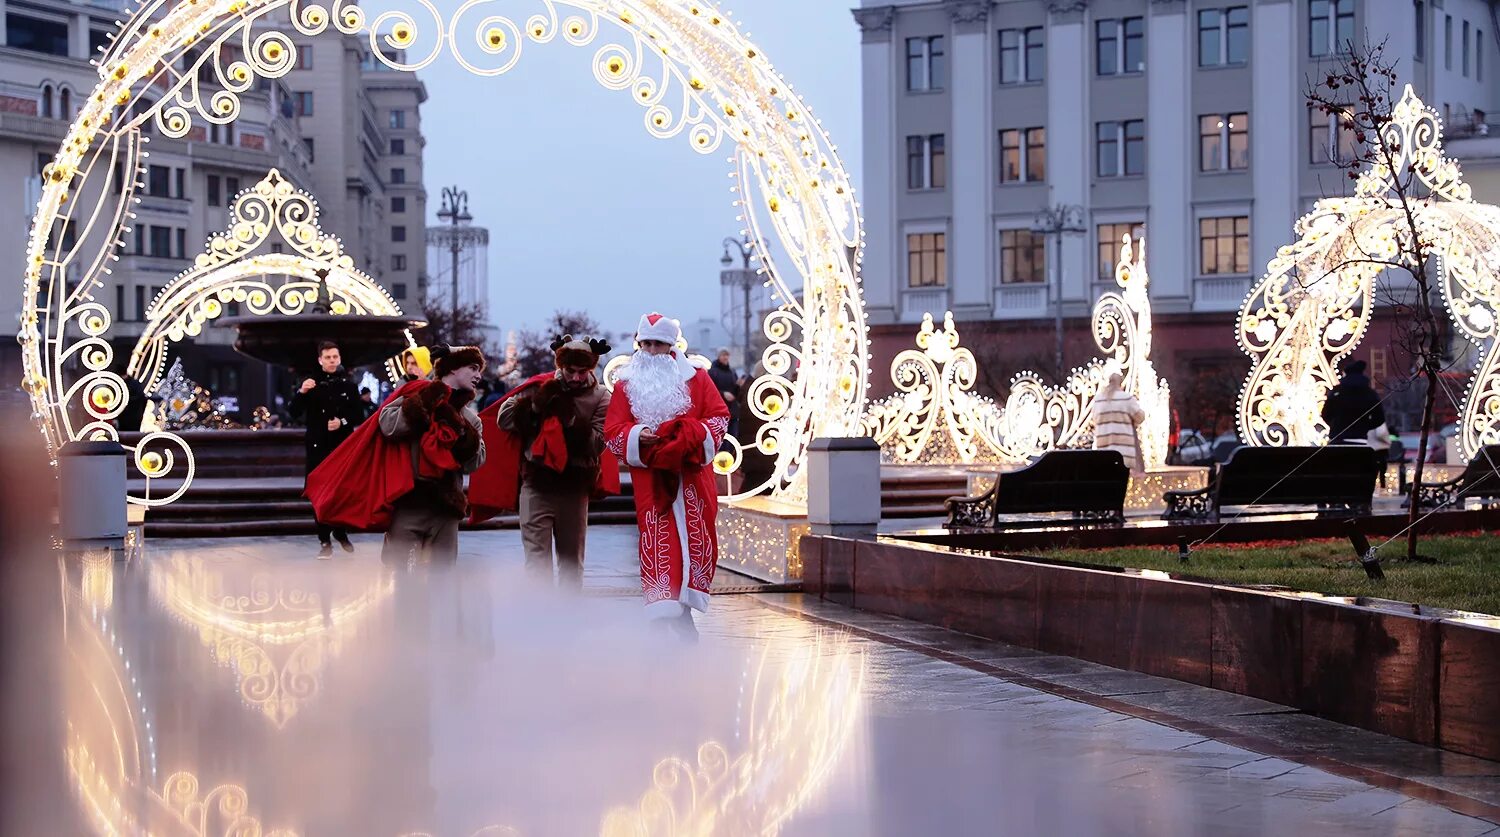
[586, 210]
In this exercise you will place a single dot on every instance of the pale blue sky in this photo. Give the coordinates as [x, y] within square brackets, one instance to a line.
[587, 210]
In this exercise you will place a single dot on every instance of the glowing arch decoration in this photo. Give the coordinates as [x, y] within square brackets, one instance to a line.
[234, 268]
[935, 418]
[1313, 306]
[177, 62]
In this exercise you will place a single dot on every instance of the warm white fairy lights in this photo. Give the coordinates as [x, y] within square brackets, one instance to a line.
[936, 418]
[1313, 306]
[175, 62]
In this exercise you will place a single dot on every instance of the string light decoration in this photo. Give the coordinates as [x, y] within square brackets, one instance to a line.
[233, 272]
[935, 418]
[759, 542]
[176, 62]
[1313, 306]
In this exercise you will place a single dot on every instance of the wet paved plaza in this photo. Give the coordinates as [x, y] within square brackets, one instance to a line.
[242, 687]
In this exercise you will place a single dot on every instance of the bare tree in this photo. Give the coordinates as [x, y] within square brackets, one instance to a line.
[1361, 94]
[468, 329]
[534, 349]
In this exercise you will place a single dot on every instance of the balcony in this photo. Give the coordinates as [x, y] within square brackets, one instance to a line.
[1219, 293]
[1021, 301]
[918, 301]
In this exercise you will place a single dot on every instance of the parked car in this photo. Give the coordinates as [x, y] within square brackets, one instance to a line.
[1193, 448]
[1437, 445]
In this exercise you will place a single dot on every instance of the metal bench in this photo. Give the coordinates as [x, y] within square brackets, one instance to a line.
[1480, 479]
[1089, 483]
[1337, 479]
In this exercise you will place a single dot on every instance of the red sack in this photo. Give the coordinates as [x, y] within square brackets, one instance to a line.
[680, 446]
[355, 487]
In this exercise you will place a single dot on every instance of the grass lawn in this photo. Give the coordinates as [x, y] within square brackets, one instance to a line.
[1466, 577]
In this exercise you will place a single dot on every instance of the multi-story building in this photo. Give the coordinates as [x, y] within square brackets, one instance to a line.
[190, 183]
[1187, 117]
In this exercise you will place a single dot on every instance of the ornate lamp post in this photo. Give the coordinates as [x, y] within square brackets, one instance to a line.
[1055, 221]
[456, 211]
[744, 279]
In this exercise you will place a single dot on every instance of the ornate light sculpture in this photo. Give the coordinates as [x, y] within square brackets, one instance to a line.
[1313, 306]
[936, 418]
[685, 61]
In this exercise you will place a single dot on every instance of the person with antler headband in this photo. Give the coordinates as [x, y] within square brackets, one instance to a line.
[548, 460]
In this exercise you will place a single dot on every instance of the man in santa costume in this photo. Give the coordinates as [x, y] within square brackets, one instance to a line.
[666, 419]
[404, 471]
[547, 459]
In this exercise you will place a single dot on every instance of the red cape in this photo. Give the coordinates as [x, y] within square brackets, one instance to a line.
[357, 484]
[496, 486]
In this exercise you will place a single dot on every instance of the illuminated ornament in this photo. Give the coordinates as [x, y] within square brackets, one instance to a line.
[1312, 307]
[936, 418]
[723, 463]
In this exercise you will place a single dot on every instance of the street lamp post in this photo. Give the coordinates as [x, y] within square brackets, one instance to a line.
[743, 279]
[456, 211]
[1055, 221]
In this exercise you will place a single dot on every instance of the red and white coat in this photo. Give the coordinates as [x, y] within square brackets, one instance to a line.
[674, 576]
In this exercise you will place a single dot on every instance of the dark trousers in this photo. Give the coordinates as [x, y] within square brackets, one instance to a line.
[326, 533]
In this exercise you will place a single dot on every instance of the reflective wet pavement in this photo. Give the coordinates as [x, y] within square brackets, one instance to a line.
[241, 687]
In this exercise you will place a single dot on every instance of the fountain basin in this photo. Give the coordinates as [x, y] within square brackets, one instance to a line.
[291, 340]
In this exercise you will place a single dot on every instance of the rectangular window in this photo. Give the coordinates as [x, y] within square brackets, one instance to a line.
[1107, 149]
[304, 57]
[1023, 55]
[36, 35]
[140, 303]
[140, 240]
[398, 261]
[120, 312]
[398, 146]
[1107, 46]
[1023, 257]
[1011, 168]
[398, 175]
[398, 233]
[1465, 35]
[1110, 237]
[1330, 26]
[181, 182]
[181, 241]
[926, 64]
[98, 41]
[1331, 140]
[161, 242]
[231, 188]
[302, 103]
[1134, 30]
[398, 290]
[1223, 142]
[1237, 35]
[1420, 54]
[1036, 154]
[159, 181]
[1479, 54]
[1023, 155]
[215, 198]
[926, 162]
[398, 119]
[398, 203]
[1224, 245]
[1210, 37]
[1120, 45]
[926, 260]
[312, 149]
[1447, 42]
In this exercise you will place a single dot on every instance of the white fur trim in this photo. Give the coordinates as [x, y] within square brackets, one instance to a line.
[685, 364]
[664, 609]
[709, 450]
[695, 599]
[633, 446]
[679, 517]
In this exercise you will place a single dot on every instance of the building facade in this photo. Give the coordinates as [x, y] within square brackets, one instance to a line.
[1183, 117]
[189, 184]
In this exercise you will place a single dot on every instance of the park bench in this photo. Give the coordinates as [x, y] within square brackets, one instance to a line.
[1337, 479]
[1089, 483]
[1480, 479]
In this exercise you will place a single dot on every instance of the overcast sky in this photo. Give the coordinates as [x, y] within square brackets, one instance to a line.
[586, 209]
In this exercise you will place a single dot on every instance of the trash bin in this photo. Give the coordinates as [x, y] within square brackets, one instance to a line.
[91, 476]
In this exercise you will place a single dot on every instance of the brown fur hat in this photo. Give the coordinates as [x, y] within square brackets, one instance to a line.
[447, 359]
[578, 353]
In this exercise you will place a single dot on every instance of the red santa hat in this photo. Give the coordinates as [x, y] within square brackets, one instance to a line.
[657, 327]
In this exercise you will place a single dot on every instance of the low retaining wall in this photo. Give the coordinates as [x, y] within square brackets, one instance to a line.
[1433, 679]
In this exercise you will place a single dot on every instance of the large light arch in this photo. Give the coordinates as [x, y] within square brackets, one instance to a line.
[684, 61]
[1313, 306]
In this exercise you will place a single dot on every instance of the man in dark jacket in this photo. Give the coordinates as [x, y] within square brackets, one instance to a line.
[729, 387]
[329, 404]
[1353, 408]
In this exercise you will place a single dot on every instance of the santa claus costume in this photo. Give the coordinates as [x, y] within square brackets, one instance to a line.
[666, 420]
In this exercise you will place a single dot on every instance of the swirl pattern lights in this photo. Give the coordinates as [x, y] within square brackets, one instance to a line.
[176, 62]
[1313, 306]
[936, 418]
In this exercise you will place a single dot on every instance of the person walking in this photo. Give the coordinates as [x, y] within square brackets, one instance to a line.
[728, 382]
[547, 437]
[1117, 418]
[329, 404]
[666, 420]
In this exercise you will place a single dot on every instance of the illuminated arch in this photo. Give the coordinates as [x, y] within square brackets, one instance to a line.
[1313, 306]
[684, 61]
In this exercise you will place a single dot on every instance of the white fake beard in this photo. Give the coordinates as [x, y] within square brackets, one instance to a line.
[656, 388]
